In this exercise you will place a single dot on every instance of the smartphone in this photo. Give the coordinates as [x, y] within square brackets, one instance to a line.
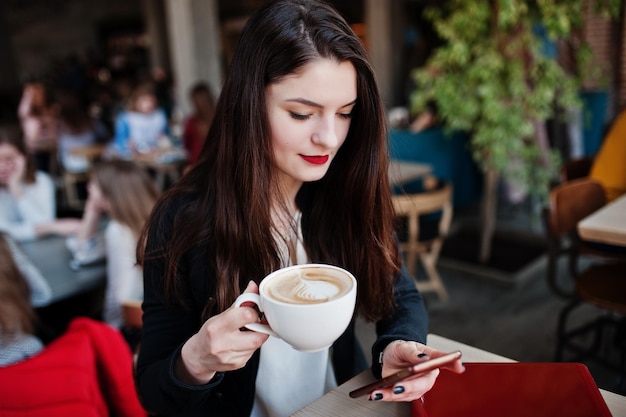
[421, 367]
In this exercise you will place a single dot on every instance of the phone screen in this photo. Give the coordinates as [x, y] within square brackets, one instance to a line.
[419, 368]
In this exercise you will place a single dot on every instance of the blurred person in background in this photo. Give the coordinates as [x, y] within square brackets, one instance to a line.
[27, 196]
[91, 359]
[198, 123]
[17, 316]
[77, 129]
[40, 291]
[37, 116]
[124, 194]
[140, 128]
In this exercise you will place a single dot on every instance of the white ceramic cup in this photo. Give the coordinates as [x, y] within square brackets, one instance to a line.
[307, 326]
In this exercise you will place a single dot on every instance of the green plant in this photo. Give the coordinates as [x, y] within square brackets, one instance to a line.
[493, 78]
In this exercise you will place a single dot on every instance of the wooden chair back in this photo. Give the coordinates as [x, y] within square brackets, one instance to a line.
[601, 284]
[412, 206]
[571, 202]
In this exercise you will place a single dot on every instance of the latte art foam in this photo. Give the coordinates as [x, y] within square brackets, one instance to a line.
[307, 287]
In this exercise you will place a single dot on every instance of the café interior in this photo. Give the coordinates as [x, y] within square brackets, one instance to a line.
[506, 273]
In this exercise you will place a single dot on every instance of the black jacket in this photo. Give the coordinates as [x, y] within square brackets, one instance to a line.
[166, 326]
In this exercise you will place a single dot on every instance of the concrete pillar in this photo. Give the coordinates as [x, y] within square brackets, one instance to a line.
[378, 22]
[194, 44]
[208, 43]
[180, 31]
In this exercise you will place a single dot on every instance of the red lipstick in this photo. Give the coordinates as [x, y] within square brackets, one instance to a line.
[315, 159]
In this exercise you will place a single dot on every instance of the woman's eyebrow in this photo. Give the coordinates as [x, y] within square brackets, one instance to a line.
[314, 104]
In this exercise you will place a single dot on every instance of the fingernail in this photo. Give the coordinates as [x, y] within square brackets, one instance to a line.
[378, 396]
[398, 390]
[422, 355]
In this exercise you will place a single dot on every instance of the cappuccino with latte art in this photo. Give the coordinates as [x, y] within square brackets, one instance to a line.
[308, 287]
[308, 306]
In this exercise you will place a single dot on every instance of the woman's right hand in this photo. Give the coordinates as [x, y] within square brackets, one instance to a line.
[16, 176]
[221, 345]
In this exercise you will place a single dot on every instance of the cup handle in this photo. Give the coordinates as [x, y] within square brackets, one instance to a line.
[250, 297]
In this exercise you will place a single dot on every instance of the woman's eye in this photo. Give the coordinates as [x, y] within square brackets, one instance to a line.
[298, 116]
[347, 116]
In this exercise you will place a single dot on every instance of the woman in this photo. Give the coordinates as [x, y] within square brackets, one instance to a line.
[294, 171]
[126, 194]
[27, 196]
[17, 317]
[38, 121]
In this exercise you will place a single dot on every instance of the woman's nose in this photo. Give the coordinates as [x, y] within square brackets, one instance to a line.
[326, 134]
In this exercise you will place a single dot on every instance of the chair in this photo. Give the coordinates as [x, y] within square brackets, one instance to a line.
[569, 203]
[417, 209]
[603, 284]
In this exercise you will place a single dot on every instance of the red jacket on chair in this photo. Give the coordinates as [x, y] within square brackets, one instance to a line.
[86, 372]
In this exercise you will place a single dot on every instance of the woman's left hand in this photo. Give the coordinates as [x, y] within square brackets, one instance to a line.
[399, 355]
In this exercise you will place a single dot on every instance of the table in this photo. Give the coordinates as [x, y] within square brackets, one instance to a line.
[338, 403]
[607, 225]
[167, 165]
[90, 152]
[52, 258]
[401, 172]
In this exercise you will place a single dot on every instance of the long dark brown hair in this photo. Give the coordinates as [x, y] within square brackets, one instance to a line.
[16, 312]
[347, 217]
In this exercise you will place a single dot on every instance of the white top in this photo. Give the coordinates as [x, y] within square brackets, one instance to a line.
[288, 379]
[36, 206]
[124, 276]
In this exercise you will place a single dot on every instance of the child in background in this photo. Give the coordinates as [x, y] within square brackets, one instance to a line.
[124, 193]
[197, 125]
[140, 128]
[17, 317]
